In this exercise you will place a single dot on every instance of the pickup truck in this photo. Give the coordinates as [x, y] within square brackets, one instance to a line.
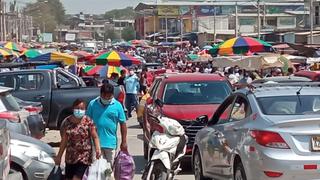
[55, 89]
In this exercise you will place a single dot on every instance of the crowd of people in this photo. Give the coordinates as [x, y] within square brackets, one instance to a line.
[93, 130]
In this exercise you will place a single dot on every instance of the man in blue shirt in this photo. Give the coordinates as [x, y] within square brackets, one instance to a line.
[106, 112]
[132, 86]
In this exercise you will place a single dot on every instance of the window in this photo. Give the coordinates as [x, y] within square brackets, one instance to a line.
[224, 117]
[240, 110]
[7, 81]
[29, 82]
[65, 81]
[290, 105]
[206, 92]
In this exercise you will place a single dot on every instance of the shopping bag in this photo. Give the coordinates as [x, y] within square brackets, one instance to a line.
[99, 170]
[124, 167]
[56, 174]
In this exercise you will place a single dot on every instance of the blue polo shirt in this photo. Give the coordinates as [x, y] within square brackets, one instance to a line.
[106, 119]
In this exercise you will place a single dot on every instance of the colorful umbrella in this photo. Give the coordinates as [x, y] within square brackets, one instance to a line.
[83, 55]
[241, 45]
[115, 58]
[7, 52]
[102, 70]
[13, 46]
[31, 53]
[56, 56]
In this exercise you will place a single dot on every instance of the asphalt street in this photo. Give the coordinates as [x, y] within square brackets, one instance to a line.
[134, 145]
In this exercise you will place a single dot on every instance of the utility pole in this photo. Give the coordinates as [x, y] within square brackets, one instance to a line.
[264, 14]
[259, 22]
[237, 23]
[1, 22]
[166, 28]
[214, 25]
[311, 21]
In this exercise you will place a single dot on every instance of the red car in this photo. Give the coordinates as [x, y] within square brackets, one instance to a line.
[185, 97]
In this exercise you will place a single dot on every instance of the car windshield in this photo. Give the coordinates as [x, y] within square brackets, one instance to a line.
[8, 103]
[186, 93]
[290, 105]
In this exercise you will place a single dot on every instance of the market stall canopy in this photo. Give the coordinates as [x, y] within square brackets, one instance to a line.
[7, 52]
[253, 62]
[56, 56]
[102, 70]
[13, 46]
[115, 58]
[31, 53]
[240, 45]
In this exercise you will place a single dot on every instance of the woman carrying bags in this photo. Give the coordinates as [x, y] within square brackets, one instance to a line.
[78, 131]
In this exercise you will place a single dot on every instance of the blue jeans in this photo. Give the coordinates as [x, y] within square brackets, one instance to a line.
[131, 102]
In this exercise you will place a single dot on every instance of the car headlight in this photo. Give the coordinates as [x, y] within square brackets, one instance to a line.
[38, 155]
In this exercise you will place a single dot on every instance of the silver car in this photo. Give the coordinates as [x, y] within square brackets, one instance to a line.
[30, 156]
[262, 133]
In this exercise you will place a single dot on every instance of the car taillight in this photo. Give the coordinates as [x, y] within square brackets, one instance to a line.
[32, 109]
[273, 174]
[121, 97]
[11, 116]
[269, 139]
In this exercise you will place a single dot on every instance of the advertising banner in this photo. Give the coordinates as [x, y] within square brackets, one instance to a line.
[208, 10]
[168, 11]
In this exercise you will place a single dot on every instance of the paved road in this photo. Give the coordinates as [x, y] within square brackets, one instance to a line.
[135, 148]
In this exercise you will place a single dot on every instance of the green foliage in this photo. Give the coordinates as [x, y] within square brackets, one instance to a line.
[126, 13]
[47, 14]
[110, 34]
[128, 33]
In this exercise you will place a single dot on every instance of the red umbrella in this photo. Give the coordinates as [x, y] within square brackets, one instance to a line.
[83, 55]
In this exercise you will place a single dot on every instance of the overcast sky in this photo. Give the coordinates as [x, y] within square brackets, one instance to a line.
[92, 6]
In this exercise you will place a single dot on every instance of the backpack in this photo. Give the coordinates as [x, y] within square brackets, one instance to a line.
[124, 167]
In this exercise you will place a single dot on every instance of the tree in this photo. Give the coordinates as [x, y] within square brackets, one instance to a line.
[128, 33]
[110, 34]
[47, 14]
[126, 13]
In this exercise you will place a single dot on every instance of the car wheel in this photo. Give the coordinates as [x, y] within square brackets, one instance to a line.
[145, 150]
[197, 167]
[15, 168]
[239, 173]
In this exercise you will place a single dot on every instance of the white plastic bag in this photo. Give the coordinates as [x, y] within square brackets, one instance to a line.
[99, 170]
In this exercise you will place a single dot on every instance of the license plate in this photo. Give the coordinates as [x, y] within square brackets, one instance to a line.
[315, 143]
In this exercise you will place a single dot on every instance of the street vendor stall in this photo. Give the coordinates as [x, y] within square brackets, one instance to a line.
[253, 62]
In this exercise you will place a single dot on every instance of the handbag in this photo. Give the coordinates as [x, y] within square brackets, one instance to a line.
[100, 169]
[56, 173]
[124, 167]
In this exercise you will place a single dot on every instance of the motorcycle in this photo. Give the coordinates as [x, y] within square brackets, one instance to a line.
[166, 150]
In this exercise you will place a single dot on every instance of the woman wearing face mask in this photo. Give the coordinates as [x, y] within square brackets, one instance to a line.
[77, 132]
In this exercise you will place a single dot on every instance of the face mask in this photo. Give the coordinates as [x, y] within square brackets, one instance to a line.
[79, 113]
[105, 101]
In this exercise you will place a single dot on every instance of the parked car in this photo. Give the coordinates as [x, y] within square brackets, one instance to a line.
[55, 89]
[4, 151]
[313, 75]
[37, 125]
[11, 112]
[281, 79]
[31, 157]
[185, 97]
[267, 133]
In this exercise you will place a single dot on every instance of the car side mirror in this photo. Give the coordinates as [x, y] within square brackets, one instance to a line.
[203, 119]
[159, 103]
[149, 100]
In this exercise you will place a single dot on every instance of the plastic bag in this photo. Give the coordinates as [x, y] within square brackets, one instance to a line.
[124, 167]
[56, 173]
[99, 170]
